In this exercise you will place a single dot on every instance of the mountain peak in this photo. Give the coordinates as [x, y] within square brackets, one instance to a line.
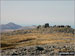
[10, 25]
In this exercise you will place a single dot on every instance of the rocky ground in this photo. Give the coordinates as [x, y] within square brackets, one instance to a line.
[38, 50]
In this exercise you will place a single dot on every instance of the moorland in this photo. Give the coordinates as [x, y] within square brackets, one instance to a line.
[43, 40]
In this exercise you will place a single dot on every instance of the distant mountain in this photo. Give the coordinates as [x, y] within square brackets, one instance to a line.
[9, 26]
[12, 26]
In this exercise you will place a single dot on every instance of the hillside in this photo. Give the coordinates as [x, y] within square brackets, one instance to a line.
[48, 38]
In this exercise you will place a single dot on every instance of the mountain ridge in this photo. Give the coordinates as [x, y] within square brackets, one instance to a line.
[9, 26]
[12, 26]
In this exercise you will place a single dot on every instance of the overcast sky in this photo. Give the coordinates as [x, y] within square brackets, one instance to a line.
[37, 12]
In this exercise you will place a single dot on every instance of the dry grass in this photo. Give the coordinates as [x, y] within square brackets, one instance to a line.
[35, 39]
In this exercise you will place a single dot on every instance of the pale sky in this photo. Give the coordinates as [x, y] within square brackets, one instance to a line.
[38, 12]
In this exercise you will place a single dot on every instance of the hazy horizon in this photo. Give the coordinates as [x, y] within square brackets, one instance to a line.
[38, 12]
